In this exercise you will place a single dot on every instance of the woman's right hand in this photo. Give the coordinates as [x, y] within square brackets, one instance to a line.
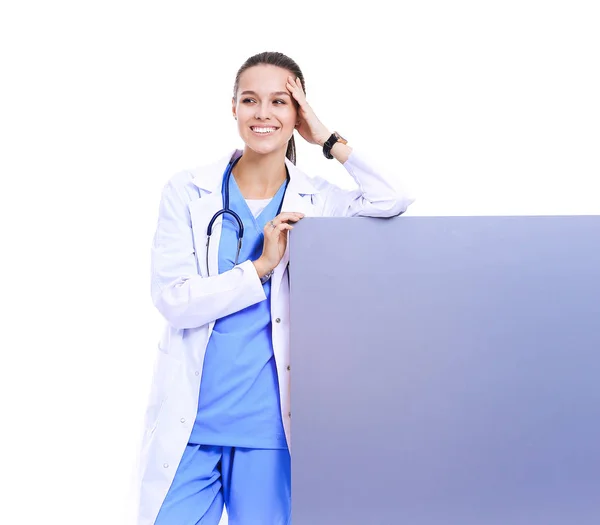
[275, 243]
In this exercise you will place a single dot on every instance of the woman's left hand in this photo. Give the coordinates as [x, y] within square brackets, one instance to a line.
[309, 126]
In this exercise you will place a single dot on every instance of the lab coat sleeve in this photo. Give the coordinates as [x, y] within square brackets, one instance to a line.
[179, 292]
[375, 195]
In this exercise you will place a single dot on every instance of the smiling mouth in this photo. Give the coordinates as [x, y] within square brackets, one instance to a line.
[263, 130]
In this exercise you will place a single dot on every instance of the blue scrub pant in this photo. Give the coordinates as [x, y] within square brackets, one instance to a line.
[254, 485]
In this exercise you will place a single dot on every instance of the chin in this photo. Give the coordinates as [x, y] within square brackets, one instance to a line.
[265, 148]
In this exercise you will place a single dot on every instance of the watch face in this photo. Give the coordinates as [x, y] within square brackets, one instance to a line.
[340, 138]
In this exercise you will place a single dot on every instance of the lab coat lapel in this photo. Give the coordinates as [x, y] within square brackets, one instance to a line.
[201, 212]
[297, 199]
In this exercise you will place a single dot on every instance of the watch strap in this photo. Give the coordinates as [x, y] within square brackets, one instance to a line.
[330, 142]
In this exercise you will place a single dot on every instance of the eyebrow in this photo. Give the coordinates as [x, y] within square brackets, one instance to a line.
[278, 93]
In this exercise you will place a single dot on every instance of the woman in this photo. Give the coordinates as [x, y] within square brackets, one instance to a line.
[218, 425]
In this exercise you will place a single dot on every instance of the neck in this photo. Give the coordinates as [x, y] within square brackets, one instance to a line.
[260, 176]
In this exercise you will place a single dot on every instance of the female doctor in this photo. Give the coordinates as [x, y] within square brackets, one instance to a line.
[217, 429]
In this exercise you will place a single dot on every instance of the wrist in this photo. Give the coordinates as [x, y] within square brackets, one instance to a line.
[336, 147]
[341, 152]
[262, 268]
[322, 138]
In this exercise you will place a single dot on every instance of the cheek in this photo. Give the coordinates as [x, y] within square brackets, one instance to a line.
[290, 117]
[242, 112]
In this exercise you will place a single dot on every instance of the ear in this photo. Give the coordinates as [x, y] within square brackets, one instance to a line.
[233, 108]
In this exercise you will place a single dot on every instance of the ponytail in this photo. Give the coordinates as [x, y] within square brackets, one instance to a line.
[291, 150]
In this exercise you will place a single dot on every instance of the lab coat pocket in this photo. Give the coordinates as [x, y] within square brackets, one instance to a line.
[165, 367]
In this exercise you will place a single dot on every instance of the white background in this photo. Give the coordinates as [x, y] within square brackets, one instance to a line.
[481, 107]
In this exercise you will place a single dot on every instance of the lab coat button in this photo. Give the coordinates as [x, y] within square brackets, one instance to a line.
[183, 420]
[289, 414]
[278, 320]
[288, 367]
[166, 465]
[197, 373]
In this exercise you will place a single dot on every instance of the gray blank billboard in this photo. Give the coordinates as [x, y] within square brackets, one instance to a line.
[446, 371]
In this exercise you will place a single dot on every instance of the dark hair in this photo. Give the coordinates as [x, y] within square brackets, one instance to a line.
[273, 58]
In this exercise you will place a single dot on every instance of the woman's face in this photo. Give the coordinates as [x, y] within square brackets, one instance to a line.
[265, 110]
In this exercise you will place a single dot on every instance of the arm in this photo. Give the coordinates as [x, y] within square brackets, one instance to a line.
[179, 292]
[375, 196]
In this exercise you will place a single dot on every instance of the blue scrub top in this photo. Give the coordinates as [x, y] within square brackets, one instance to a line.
[239, 392]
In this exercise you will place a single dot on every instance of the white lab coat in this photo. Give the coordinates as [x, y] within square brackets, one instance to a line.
[191, 301]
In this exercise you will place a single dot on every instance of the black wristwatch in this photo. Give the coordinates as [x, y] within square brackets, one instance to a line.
[335, 137]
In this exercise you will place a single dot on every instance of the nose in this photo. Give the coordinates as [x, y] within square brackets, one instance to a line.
[262, 111]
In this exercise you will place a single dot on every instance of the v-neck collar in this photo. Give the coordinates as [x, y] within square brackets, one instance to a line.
[260, 220]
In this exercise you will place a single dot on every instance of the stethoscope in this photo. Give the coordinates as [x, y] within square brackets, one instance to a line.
[227, 210]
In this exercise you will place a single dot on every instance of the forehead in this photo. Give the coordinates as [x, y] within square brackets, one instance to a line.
[263, 78]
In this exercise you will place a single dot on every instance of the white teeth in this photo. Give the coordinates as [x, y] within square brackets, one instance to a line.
[264, 130]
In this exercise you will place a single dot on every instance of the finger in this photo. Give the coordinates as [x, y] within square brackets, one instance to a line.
[288, 216]
[284, 213]
[282, 218]
[279, 228]
[291, 219]
[301, 101]
[273, 225]
[295, 86]
[274, 233]
[300, 88]
[283, 227]
[294, 92]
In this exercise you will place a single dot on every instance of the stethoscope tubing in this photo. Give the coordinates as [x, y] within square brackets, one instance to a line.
[227, 210]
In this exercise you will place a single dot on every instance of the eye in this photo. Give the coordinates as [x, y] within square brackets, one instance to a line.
[247, 100]
[279, 101]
